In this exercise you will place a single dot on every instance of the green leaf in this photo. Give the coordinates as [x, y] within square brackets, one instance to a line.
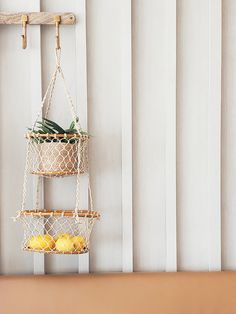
[83, 132]
[44, 128]
[54, 125]
[71, 131]
[72, 125]
[51, 127]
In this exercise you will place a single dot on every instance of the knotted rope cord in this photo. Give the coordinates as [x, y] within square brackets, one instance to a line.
[77, 195]
[50, 90]
[38, 186]
[47, 100]
[24, 192]
[25, 180]
[77, 205]
[90, 194]
[43, 100]
[69, 98]
[45, 114]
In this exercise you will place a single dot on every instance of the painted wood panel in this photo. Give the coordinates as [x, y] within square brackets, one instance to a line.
[104, 111]
[214, 135]
[15, 115]
[34, 51]
[60, 193]
[228, 135]
[192, 83]
[199, 134]
[170, 194]
[127, 143]
[82, 104]
[150, 97]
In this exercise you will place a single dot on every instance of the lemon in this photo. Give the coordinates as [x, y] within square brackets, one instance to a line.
[64, 244]
[79, 243]
[42, 242]
[63, 235]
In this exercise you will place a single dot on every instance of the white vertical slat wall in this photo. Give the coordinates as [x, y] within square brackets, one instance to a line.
[127, 144]
[214, 135]
[228, 151]
[170, 140]
[81, 99]
[198, 131]
[154, 82]
[36, 97]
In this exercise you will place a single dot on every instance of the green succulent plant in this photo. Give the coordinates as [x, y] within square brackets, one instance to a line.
[47, 126]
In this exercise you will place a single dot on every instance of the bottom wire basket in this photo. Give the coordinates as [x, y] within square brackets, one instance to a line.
[57, 231]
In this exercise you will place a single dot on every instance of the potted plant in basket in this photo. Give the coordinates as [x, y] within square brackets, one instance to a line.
[55, 151]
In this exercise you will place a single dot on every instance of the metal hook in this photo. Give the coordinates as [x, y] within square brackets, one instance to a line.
[57, 20]
[24, 20]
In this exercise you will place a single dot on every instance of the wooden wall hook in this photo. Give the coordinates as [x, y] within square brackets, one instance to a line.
[57, 20]
[24, 20]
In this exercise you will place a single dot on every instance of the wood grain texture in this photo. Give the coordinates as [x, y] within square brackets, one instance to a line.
[36, 18]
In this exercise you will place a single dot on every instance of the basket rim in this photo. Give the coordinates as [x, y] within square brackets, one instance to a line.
[60, 212]
[56, 173]
[57, 252]
[30, 135]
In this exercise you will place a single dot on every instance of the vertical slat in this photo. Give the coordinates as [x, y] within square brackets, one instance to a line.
[127, 222]
[171, 257]
[194, 150]
[81, 97]
[214, 135]
[34, 47]
[228, 148]
[153, 94]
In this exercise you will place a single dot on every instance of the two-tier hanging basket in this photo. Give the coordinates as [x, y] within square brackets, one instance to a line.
[56, 154]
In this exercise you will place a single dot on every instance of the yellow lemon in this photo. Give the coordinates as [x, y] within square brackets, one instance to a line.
[79, 243]
[42, 242]
[63, 235]
[64, 244]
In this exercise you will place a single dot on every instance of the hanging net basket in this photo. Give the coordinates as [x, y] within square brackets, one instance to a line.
[53, 151]
[57, 231]
[57, 155]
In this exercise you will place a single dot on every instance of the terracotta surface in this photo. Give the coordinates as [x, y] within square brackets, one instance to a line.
[137, 293]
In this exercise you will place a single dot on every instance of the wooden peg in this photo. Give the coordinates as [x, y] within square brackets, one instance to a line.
[24, 20]
[57, 20]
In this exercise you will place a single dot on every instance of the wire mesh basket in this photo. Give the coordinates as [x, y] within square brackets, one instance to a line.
[57, 231]
[57, 155]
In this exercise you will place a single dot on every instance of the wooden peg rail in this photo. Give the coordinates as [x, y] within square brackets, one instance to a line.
[37, 18]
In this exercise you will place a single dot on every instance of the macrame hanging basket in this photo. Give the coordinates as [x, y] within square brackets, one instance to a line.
[56, 155]
[58, 231]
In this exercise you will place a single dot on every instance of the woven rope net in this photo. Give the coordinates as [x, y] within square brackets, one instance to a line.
[55, 155]
[58, 232]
